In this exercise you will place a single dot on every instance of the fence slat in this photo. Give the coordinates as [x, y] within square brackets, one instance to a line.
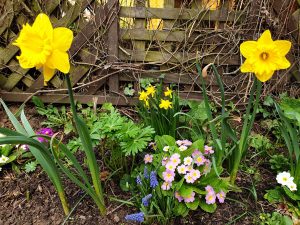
[160, 57]
[113, 44]
[183, 14]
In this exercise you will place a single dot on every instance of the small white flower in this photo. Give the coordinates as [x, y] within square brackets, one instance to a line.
[182, 169]
[284, 178]
[182, 148]
[3, 159]
[179, 142]
[188, 161]
[292, 186]
[166, 148]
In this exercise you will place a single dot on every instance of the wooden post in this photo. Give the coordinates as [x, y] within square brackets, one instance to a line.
[113, 44]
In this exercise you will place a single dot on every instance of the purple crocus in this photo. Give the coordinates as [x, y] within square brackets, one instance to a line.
[45, 131]
[136, 217]
[146, 200]
[153, 179]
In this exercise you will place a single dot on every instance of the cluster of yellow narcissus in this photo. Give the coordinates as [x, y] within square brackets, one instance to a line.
[44, 47]
[150, 92]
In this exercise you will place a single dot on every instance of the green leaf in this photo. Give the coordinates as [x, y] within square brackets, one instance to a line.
[181, 210]
[185, 191]
[293, 195]
[210, 208]
[274, 195]
[125, 182]
[30, 167]
[193, 205]
[162, 141]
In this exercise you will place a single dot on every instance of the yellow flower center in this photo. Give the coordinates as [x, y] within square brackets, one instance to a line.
[264, 56]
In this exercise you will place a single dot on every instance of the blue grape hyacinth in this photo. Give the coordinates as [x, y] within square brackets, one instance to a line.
[146, 199]
[146, 172]
[136, 217]
[138, 180]
[153, 179]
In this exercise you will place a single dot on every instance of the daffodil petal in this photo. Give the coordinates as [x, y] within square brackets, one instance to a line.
[48, 74]
[283, 63]
[263, 77]
[283, 46]
[246, 67]
[265, 38]
[59, 60]
[62, 38]
[43, 25]
[248, 48]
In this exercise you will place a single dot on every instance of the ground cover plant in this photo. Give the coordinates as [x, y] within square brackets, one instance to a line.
[172, 163]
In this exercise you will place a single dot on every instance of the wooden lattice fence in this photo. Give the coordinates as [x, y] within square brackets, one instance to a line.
[106, 57]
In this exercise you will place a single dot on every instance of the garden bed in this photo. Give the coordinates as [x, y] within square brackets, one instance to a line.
[32, 199]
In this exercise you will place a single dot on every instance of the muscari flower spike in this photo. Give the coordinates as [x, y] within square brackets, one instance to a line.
[136, 217]
[146, 200]
[146, 173]
[153, 179]
[138, 180]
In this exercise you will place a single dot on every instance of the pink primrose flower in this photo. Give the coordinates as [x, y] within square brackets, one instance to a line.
[178, 196]
[168, 176]
[166, 186]
[210, 198]
[221, 196]
[200, 160]
[182, 169]
[189, 178]
[190, 198]
[208, 150]
[148, 158]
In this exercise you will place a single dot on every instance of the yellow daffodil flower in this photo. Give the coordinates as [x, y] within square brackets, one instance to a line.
[168, 92]
[264, 56]
[165, 104]
[43, 46]
[143, 96]
[150, 90]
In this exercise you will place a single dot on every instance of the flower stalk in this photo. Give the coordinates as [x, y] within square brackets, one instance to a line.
[87, 146]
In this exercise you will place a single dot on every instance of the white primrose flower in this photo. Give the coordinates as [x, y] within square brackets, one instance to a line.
[3, 159]
[182, 148]
[292, 186]
[284, 178]
[166, 148]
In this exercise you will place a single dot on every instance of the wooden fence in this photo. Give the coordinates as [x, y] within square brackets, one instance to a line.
[105, 57]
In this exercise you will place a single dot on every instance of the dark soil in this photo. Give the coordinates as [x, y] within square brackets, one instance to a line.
[31, 198]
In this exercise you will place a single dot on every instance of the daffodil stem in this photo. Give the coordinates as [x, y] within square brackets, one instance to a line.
[248, 124]
[62, 197]
[87, 146]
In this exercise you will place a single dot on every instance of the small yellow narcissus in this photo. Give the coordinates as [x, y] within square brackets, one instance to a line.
[165, 104]
[43, 46]
[265, 56]
[150, 90]
[168, 92]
